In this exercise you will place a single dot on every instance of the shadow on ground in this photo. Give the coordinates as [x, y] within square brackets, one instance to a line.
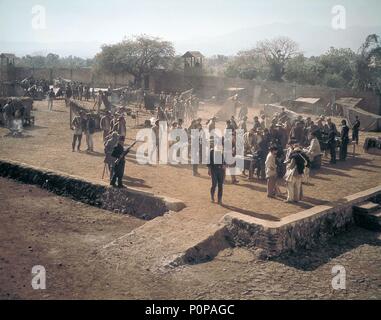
[309, 260]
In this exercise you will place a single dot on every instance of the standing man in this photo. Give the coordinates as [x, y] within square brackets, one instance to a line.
[77, 126]
[122, 126]
[51, 96]
[257, 125]
[211, 125]
[271, 172]
[98, 102]
[344, 135]
[90, 130]
[356, 129]
[118, 170]
[216, 170]
[243, 124]
[332, 142]
[110, 144]
[263, 122]
[68, 94]
[106, 125]
[8, 114]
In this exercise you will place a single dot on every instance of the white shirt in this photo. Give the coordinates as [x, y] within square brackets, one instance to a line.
[270, 166]
[314, 149]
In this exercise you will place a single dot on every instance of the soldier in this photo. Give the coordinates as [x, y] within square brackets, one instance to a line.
[257, 125]
[8, 111]
[197, 126]
[216, 171]
[243, 112]
[68, 94]
[344, 140]
[118, 170]
[90, 130]
[332, 142]
[122, 126]
[110, 144]
[98, 102]
[243, 124]
[271, 172]
[106, 125]
[356, 129]
[80, 91]
[51, 96]
[78, 125]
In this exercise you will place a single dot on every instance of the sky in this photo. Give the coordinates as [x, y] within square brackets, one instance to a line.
[109, 21]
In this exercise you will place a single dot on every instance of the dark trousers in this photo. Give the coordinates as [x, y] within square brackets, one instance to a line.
[261, 169]
[343, 150]
[355, 136]
[218, 177]
[75, 138]
[118, 173]
[332, 149]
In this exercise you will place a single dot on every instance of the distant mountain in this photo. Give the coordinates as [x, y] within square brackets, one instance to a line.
[313, 40]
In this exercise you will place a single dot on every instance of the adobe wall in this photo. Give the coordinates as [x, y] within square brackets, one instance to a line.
[85, 75]
[205, 86]
[257, 91]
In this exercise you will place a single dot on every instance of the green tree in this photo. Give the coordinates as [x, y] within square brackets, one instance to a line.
[367, 70]
[277, 52]
[138, 56]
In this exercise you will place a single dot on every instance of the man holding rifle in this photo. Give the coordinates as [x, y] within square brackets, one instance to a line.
[119, 153]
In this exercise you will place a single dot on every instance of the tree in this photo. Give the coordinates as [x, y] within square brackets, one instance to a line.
[247, 65]
[277, 52]
[367, 70]
[338, 65]
[304, 70]
[138, 56]
[52, 60]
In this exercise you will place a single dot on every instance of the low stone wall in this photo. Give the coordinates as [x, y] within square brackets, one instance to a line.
[297, 231]
[126, 201]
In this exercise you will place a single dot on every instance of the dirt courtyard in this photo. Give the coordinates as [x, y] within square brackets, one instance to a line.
[71, 239]
[48, 145]
[39, 228]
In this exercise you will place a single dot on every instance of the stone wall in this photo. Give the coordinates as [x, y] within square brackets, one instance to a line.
[125, 201]
[205, 86]
[257, 91]
[84, 75]
[298, 231]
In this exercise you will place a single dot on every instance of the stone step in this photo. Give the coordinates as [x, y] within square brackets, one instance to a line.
[366, 207]
[370, 221]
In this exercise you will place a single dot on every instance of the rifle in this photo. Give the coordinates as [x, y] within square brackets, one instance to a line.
[126, 152]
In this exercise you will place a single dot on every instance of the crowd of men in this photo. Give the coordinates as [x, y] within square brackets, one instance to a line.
[15, 114]
[35, 88]
[286, 148]
[178, 106]
[79, 91]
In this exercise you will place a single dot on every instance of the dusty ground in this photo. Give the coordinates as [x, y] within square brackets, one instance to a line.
[39, 228]
[48, 145]
[68, 238]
